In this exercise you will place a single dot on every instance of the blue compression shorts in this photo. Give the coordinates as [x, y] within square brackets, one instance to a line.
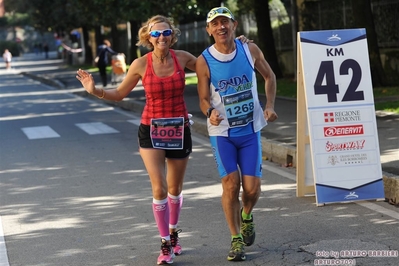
[244, 152]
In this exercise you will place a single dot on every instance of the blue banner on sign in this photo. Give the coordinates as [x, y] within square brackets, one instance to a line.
[327, 194]
[333, 37]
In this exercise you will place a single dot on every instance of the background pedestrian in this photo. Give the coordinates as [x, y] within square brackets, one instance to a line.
[46, 49]
[7, 57]
[104, 51]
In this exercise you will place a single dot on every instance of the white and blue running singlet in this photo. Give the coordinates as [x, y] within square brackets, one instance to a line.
[234, 92]
[236, 140]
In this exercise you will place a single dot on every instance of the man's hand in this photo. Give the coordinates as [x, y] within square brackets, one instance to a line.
[270, 114]
[215, 119]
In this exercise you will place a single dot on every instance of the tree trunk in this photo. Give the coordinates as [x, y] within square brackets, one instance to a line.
[295, 29]
[115, 38]
[265, 35]
[134, 29]
[88, 54]
[363, 18]
[99, 36]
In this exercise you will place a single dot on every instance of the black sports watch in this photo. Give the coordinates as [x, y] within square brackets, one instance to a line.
[209, 112]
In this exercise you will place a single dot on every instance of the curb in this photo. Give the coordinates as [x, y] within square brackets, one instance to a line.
[43, 79]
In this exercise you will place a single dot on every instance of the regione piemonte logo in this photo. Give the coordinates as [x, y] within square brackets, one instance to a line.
[329, 117]
[342, 116]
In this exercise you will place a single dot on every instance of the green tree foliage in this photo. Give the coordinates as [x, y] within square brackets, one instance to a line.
[207, 5]
[324, 15]
[265, 33]
[65, 15]
[19, 6]
[14, 19]
[365, 20]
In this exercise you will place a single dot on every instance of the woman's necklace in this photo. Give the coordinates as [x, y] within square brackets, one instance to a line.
[162, 57]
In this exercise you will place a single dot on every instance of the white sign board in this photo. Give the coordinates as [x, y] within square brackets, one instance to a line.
[341, 117]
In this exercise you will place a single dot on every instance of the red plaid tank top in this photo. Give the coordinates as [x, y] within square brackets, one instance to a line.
[164, 95]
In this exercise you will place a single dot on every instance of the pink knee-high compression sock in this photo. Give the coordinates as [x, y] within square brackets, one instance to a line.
[160, 209]
[175, 203]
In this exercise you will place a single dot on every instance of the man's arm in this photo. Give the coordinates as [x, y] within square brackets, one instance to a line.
[267, 73]
[201, 68]
[204, 93]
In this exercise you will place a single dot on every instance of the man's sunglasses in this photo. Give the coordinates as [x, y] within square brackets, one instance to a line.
[157, 33]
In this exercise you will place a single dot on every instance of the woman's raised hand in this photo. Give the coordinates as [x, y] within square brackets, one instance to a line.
[87, 80]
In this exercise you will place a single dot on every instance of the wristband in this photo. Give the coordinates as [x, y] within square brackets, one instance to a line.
[209, 112]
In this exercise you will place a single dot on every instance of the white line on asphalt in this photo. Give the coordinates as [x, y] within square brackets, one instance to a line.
[3, 249]
[96, 128]
[42, 132]
[135, 121]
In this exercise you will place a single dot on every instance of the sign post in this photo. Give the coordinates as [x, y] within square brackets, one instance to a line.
[337, 132]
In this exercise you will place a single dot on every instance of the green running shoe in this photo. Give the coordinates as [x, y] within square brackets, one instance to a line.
[236, 252]
[247, 230]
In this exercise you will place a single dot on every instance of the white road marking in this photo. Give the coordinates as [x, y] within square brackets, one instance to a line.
[42, 132]
[96, 128]
[135, 121]
[3, 249]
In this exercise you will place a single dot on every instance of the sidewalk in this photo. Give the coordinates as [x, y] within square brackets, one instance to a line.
[279, 137]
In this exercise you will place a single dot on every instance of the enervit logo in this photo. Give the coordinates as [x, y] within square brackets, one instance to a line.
[342, 116]
[345, 146]
[335, 131]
